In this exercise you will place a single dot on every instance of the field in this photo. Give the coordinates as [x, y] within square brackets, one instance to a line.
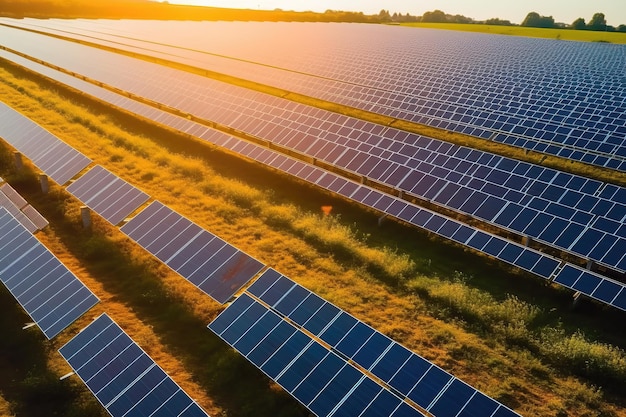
[558, 34]
[499, 330]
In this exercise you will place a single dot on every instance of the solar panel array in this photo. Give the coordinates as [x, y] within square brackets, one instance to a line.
[51, 295]
[335, 364]
[317, 377]
[216, 267]
[107, 194]
[593, 285]
[472, 182]
[507, 251]
[19, 208]
[124, 379]
[511, 92]
[56, 159]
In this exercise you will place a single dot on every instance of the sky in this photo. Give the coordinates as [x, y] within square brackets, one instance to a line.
[514, 10]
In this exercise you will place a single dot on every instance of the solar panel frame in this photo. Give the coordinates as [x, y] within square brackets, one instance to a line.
[315, 376]
[412, 376]
[593, 285]
[54, 297]
[57, 159]
[121, 375]
[211, 264]
[107, 194]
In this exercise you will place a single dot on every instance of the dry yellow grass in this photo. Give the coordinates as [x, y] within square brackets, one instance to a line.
[5, 408]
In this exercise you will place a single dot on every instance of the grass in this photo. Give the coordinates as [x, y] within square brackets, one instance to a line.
[449, 305]
[557, 34]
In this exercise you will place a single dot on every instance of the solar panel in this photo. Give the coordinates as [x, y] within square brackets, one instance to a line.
[15, 198]
[58, 160]
[408, 374]
[124, 379]
[593, 285]
[51, 295]
[317, 377]
[107, 194]
[7, 204]
[216, 267]
[19, 208]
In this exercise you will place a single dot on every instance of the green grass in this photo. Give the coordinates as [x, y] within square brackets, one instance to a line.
[498, 329]
[559, 34]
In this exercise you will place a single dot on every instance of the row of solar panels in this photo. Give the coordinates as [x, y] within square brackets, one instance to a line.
[19, 208]
[571, 213]
[335, 364]
[216, 267]
[558, 120]
[586, 282]
[122, 377]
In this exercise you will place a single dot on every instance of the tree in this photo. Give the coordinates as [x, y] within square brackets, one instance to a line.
[621, 28]
[384, 15]
[597, 22]
[498, 22]
[436, 16]
[534, 20]
[579, 24]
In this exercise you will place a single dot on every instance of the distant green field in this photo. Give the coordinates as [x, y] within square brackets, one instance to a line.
[562, 34]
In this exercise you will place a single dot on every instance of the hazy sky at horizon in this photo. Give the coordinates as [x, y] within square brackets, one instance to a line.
[562, 10]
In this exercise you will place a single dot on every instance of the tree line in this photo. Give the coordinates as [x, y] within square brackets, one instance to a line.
[533, 19]
[148, 9]
[597, 23]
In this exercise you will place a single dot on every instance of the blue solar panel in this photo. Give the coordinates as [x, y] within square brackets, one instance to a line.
[107, 194]
[317, 377]
[43, 286]
[412, 376]
[58, 160]
[124, 379]
[216, 267]
[593, 285]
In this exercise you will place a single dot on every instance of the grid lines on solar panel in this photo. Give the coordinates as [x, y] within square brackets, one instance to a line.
[124, 379]
[318, 378]
[412, 376]
[58, 160]
[421, 166]
[216, 267]
[107, 194]
[15, 204]
[582, 123]
[12, 199]
[51, 295]
[593, 285]
[8, 203]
